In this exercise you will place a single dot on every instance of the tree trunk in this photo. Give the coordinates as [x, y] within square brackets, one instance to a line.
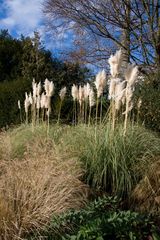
[126, 36]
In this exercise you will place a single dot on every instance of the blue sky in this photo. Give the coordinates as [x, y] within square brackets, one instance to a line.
[25, 17]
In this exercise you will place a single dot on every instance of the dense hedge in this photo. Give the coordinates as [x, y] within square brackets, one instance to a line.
[150, 109]
[10, 93]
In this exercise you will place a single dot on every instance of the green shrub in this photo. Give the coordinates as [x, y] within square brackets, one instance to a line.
[149, 113]
[11, 92]
[101, 219]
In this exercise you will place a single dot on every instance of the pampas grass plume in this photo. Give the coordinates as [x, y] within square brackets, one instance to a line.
[115, 63]
[26, 102]
[80, 94]
[34, 87]
[100, 82]
[30, 98]
[112, 87]
[42, 101]
[46, 86]
[51, 89]
[87, 89]
[91, 98]
[38, 102]
[131, 74]
[39, 88]
[62, 93]
[74, 92]
[19, 104]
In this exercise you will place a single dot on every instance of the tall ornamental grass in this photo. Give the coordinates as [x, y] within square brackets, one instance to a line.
[112, 162]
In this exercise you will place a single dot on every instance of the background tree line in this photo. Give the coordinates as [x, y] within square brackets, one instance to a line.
[23, 59]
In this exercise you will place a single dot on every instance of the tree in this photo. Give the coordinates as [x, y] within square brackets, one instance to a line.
[36, 61]
[10, 56]
[132, 25]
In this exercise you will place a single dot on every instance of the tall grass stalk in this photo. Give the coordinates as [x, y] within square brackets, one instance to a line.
[101, 109]
[126, 117]
[20, 111]
[59, 113]
[89, 117]
[85, 111]
[97, 104]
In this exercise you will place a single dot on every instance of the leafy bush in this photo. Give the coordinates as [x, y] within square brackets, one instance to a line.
[11, 92]
[101, 219]
[149, 112]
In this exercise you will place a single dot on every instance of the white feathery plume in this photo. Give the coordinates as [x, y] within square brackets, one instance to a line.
[131, 78]
[30, 98]
[26, 102]
[103, 79]
[42, 101]
[115, 63]
[119, 89]
[119, 94]
[91, 98]
[62, 93]
[39, 88]
[123, 99]
[33, 82]
[38, 102]
[34, 87]
[131, 74]
[100, 82]
[19, 104]
[80, 94]
[74, 92]
[51, 89]
[46, 102]
[112, 87]
[87, 89]
[26, 95]
[46, 86]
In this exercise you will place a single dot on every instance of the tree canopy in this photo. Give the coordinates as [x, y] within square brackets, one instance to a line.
[104, 25]
[27, 58]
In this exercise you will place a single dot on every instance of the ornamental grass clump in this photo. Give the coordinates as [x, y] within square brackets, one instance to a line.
[33, 188]
[112, 163]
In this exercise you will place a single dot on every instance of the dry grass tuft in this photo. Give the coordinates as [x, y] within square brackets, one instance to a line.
[34, 188]
[146, 195]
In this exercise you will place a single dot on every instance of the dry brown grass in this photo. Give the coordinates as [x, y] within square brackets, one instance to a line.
[37, 186]
[146, 195]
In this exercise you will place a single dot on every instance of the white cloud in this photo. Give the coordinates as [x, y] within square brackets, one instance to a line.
[25, 17]
[22, 16]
